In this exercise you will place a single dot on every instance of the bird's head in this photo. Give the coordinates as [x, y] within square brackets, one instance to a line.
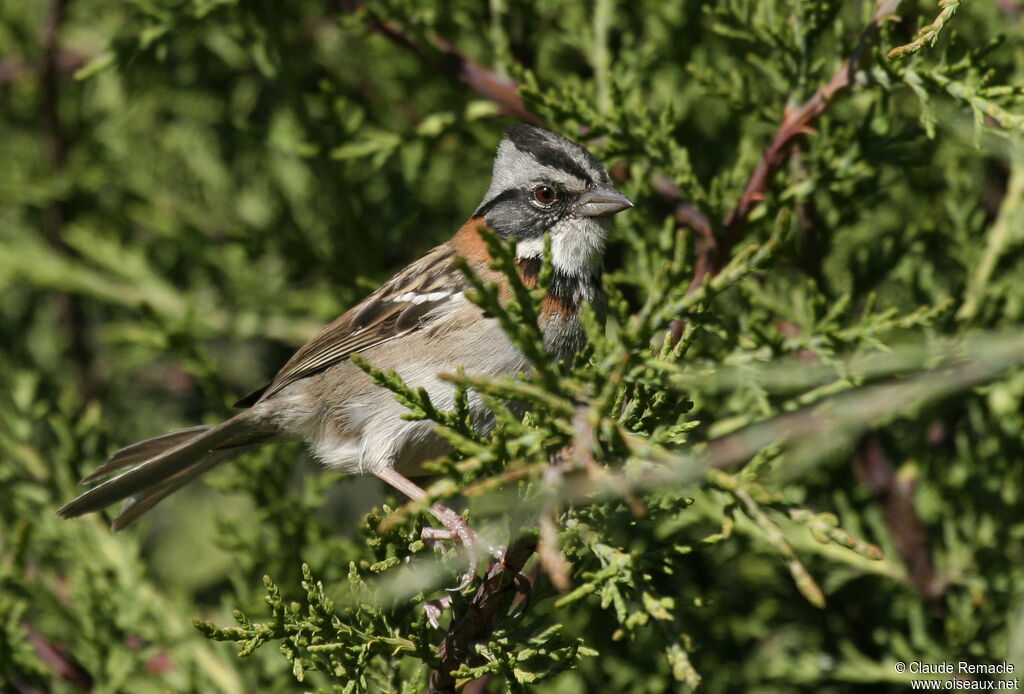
[544, 183]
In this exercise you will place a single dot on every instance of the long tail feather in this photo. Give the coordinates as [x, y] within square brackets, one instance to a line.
[142, 451]
[173, 459]
[142, 502]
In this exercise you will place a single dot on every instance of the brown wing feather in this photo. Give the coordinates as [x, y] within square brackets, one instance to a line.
[377, 319]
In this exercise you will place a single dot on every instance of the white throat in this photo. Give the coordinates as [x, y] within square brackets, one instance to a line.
[577, 244]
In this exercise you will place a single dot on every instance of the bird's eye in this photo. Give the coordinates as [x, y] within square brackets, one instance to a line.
[544, 194]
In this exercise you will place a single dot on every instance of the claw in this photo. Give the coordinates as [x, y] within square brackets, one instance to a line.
[456, 530]
[433, 608]
[469, 540]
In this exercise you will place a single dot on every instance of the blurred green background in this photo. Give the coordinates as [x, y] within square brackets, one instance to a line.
[190, 188]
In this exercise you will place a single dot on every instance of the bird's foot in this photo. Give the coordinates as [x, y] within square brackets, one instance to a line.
[434, 608]
[456, 530]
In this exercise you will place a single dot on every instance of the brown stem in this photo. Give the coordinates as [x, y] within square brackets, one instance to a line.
[497, 589]
[487, 83]
[478, 686]
[705, 246]
[62, 663]
[872, 465]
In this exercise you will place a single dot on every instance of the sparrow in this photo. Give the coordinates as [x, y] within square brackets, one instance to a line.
[419, 324]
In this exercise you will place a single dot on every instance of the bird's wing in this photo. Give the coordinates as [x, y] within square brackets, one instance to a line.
[396, 309]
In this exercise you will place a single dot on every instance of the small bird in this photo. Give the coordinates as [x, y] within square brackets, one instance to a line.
[421, 325]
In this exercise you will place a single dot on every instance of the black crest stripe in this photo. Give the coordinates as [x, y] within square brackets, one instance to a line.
[536, 143]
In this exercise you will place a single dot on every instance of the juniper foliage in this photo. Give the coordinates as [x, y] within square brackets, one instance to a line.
[788, 459]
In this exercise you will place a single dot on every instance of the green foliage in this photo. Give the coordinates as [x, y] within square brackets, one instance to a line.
[786, 477]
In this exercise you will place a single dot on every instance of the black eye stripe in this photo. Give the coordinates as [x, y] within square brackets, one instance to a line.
[515, 212]
[562, 198]
[503, 196]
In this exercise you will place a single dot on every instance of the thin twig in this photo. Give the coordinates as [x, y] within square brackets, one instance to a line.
[503, 91]
[796, 122]
[549, 550]
[929, 34]
[489, 84]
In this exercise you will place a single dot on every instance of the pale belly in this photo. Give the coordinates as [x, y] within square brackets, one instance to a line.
[355, 426]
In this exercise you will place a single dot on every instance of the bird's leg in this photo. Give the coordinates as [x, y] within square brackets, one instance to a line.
[457, 528]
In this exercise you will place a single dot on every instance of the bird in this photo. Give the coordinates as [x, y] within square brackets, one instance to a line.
[419, 324]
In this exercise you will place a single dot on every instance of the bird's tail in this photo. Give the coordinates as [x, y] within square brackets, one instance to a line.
[145, 473]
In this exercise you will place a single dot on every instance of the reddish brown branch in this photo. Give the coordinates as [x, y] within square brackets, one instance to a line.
[487, 83]
[501, 90]
[705, 246]
[905, 527]
[796, 122]
[62, 663]
[497, 590]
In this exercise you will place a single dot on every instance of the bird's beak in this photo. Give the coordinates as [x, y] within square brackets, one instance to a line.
[602, 202]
